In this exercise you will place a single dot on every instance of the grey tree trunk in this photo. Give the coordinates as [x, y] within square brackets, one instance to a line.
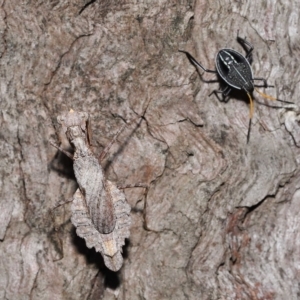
[221, 217]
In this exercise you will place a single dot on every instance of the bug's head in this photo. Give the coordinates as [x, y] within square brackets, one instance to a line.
[226, 58]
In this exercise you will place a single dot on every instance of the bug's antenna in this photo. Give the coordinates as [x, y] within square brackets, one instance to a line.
[252, 108]
[265, 95]
[271, 98]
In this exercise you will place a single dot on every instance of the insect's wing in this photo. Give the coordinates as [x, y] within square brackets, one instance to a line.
[122, 212]
[116, 239]
[82, 221]
[97, 196]
[103, 243]
[100, 203]
[109, 245]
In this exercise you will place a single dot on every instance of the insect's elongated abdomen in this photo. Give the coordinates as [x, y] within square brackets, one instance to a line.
[100, 211]
[90, 179]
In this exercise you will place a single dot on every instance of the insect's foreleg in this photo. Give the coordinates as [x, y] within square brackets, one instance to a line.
[244, 43]
[265, 82]
[194, 62]
[62, 150]
[106, 149]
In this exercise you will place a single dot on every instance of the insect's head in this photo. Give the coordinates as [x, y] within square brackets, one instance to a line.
[226, 58]
[74, 132]
[74, 124]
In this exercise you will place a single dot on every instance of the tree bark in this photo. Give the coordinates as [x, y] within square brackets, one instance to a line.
[220, 219]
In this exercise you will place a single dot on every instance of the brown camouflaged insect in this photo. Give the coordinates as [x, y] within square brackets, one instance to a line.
[100, 211]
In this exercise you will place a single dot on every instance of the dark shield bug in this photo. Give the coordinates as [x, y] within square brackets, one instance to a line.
[235, 70]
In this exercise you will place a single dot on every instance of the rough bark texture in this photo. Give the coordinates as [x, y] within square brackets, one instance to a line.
[221, 218]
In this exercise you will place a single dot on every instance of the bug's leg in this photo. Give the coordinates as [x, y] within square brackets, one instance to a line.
[265, 82]
[62, 202]
[224, 93]
[194, 62]
[128, 186]
[62, 150]
[265, 95]
[244, 43]
[106, 149]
